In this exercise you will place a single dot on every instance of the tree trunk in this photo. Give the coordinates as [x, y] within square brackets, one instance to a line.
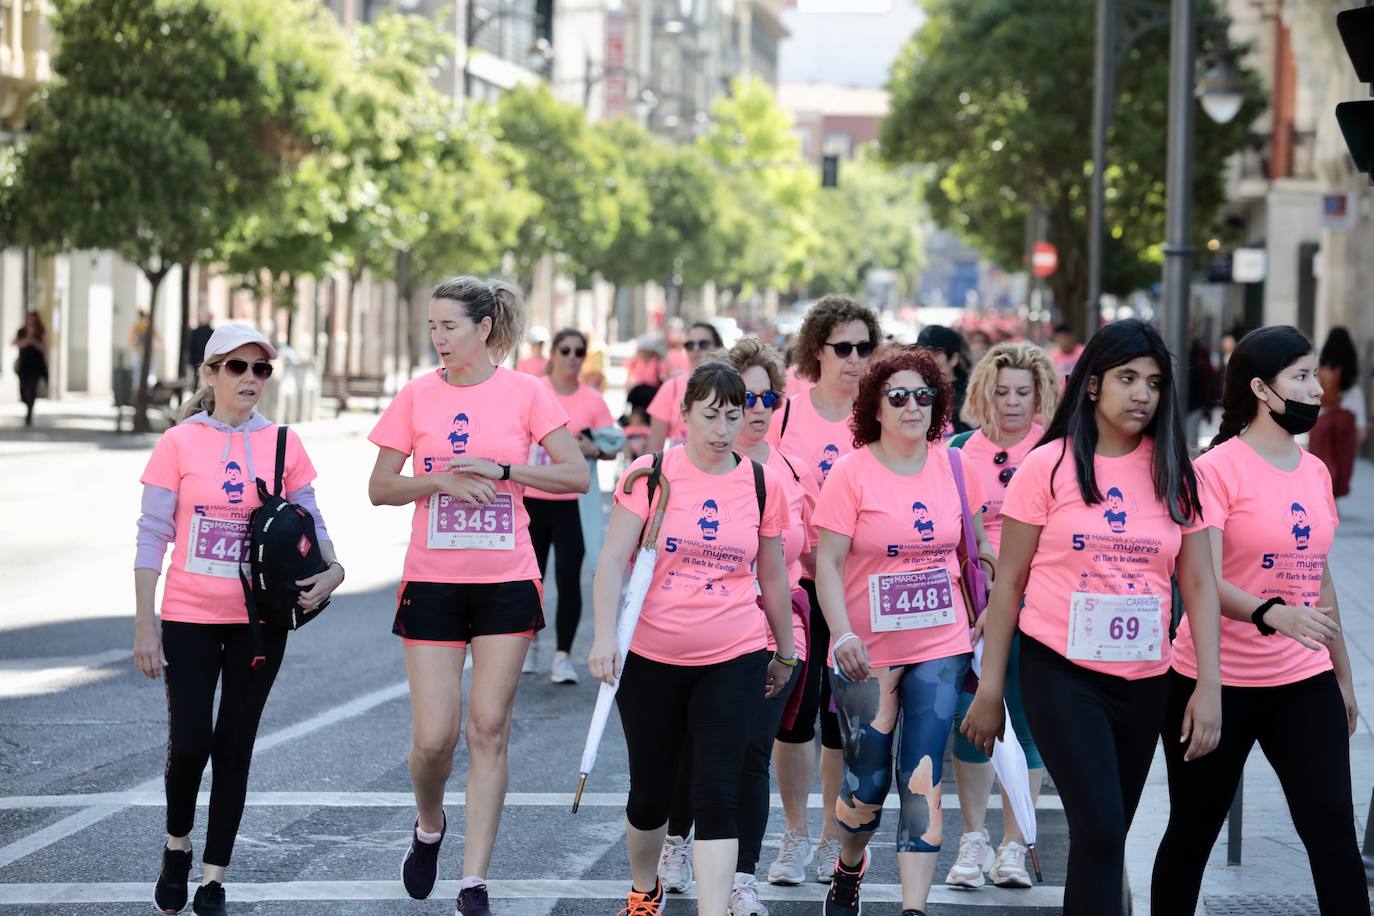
[350, 312]
[183, 351]
[141, 425]
[290, 309]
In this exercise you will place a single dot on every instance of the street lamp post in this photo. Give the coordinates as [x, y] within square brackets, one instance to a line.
[1178, 251]
[1104, 92]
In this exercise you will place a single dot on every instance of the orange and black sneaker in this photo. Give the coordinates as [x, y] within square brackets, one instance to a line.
[843, 899]
[642, 904]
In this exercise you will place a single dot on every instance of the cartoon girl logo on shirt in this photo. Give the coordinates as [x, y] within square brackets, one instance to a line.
[233, 482]
[1116, 511]
[922, 522]
[458, 437]
[829, 455]
[1302, 528]
[709, 523]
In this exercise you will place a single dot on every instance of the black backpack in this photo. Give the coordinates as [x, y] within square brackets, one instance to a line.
[282, 548]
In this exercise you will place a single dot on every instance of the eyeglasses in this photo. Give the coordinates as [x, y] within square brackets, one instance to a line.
[844, 348]
[236, 367]
[898, 397]
[1005, 476]
[691, 345]
[769, 398]
[579, 352]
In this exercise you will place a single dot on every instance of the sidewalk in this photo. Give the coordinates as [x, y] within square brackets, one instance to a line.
[1273, 876]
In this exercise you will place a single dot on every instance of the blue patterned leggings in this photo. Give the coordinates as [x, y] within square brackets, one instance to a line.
[908, 709]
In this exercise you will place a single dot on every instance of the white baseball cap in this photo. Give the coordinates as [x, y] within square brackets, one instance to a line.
[229, 337]
[539, 334]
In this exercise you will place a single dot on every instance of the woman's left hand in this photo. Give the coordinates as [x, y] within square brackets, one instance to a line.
[479, 466]
[1202, 722]
[320, 586]
[778, 676]
[1352, 708]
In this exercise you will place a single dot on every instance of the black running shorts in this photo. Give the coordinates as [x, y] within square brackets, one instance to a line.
[447, 613]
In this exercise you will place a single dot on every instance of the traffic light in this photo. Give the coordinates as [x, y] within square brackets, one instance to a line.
[830, 171]
[1357, 118]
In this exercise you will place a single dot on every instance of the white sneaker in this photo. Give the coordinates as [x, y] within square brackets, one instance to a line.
[975, 858]
[563, 671]
[1010, 867]
[531, 665]
[744, 897]
[827, 854]
[675, 865]
[795, 852]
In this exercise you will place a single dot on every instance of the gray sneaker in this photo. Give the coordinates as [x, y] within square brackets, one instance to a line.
[827, 854]
[563, 671]
[675, 865]
[531, 665]
[795, 853]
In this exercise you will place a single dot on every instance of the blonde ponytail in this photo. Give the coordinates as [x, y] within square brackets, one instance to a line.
[203, 399]
[494, 299]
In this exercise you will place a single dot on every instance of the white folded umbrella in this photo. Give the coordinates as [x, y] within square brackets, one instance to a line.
[1009, 762]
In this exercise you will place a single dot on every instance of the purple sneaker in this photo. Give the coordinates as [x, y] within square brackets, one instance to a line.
[421, 865]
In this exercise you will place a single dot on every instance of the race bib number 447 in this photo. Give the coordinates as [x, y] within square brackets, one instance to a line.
[454, 525]
[217, 546]
[1115, 628]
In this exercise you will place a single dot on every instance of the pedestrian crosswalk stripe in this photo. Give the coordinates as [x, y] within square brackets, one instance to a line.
[154, 798]
[528, 889]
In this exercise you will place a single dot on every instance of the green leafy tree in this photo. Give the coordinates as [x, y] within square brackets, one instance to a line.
[871, 220]
[994, 95]
[770, 190]
[166, 120]
[575, 176]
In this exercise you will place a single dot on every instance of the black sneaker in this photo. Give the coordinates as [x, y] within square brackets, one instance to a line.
[421, 865]
[913, 913]
[209, 900]
[843, 899]
[169, 895]
[472, 901]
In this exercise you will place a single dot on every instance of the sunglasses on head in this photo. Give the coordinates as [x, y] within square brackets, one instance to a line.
[898, 397]
[691, 345]
[579, 352]
[769, 398]
[236, 367]
[844, 348]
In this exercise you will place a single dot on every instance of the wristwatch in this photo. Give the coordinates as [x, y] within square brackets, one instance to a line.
[789, 662]
[505, 471]
[1258, 617]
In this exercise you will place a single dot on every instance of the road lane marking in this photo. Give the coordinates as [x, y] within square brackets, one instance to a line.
[155, 798]
[1047, 896]
[26, 677]
[104, 807]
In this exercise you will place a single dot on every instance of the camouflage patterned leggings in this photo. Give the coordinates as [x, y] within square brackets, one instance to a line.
[908, 709]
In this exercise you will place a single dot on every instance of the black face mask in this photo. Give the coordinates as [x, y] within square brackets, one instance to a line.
[1297, 418]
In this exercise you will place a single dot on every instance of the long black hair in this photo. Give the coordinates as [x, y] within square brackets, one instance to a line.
[1076, 419]
[1339, 353]
[1261, 354]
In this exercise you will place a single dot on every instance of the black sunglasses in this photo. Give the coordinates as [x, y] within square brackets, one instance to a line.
[691, 345]
[236, 367]
[769, 398]
[844, 348]
[579, 352]
[1005, 476]
[898, 397]
[1000, 458]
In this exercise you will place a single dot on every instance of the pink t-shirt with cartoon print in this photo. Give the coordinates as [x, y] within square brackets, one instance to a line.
[1277, 530]
[667, 406]
[818, 442]
[797, 539]
[434, 422]
[215, 495]
[701, 607]
[1099, 591]
[901, 577]
[586, 409]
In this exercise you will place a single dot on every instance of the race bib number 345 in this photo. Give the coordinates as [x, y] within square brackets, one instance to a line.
[217, 547]
[454, 525]
[1115, 628]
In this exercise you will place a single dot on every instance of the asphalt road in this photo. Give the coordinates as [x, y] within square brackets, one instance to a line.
[82, 733]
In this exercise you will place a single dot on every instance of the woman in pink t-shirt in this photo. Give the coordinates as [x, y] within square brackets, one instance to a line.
[1094, 570]
[666, 424]
[1285, 671]
[554, 519]
[199, 492]
[470, 573]
[761, 368]
[890, 524]
[698, 668]
[1014, 384]
[833, 347]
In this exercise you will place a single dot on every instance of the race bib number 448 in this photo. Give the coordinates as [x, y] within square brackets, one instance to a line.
[910, 600]
[454, 525]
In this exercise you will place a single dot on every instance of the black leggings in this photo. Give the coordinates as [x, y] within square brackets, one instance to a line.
[662, 707]
[1301, 728]
[815, 699]
[1097, 734]
[199, 655]
[556, 522]
[753, 800]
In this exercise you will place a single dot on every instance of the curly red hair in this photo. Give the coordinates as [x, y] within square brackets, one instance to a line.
[887, 363]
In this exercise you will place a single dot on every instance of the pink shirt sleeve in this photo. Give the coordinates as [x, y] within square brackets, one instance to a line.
[1330, 496]
[637, 501]
[810, 495]
[774, 521]
[1028, 495]
[601, 414]
[545, 414]
[973, 486]
[1215, 495]
[164, 464]
[299, 470]
[396, 430]
[838, 507]
[662, 406]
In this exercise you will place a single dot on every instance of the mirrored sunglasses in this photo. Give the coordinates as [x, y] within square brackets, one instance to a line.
[898, 397]
[770, 399]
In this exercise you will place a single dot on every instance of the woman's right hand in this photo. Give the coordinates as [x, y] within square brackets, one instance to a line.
[851, 657]
[148, 650]
[604, 661]
[470, 489]
[1314, 627]
[985, 721]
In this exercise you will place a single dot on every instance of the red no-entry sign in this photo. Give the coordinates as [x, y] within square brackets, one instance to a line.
[1044, 259]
